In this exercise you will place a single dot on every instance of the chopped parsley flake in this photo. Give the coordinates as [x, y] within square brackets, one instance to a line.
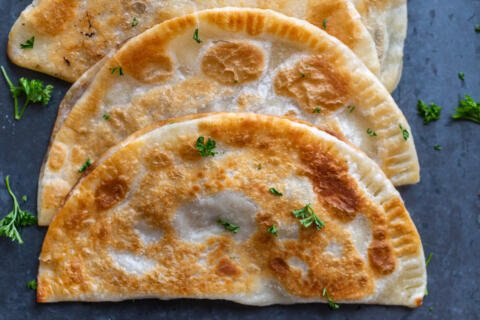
[134, 22]
[308, 217]
[429, 113]
[118, 70]
[302, 75]
[206, 148]
[106, 116]
[331, 303]
[467, 109]
[228, 225]
[273, 230]
[33, 90]
[461, 76]
[405, 132]
[317, 110]
[324, 24]
[477, 28]
[351, 108]
[437, 147]
[32, 284]
[371, 133]
[24, 198]
[85, 166]
[275, 192]
[15, 218]
[196, 37]
[429, 258]
[28, 44]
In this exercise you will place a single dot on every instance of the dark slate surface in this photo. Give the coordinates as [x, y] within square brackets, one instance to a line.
[445, 205]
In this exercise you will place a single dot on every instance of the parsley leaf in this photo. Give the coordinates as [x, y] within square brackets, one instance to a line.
[405, 132]
[467, 109]
[196, 37]
[275, 192]
[206, 148]
[32, 284]
[85, 166]
[371, 133]
[106, 116]
[28, 44]
[351, 108]
[430, 112]
[437, 147]
[134, 22]
[308, 217]
[461, 76]
[273, 230]
[324, 24]
[331, 303]
[33, 90]
[317, 110]
[118, 70]
[228, 225]
[15, 218]
[477, 28]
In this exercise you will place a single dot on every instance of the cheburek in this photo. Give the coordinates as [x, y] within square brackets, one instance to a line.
[386, 21]
[145, 221]
[244, 60]
[71, 36]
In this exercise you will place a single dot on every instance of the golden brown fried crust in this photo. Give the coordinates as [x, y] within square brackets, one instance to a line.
[92, 224]
[52, 16]
[313, 83]
[233, 63]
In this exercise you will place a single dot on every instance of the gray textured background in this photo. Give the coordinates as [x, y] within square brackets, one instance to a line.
[445, 205]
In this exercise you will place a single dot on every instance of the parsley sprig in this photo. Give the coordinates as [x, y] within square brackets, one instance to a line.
[405, 132]
[206, 148]
[15, 218]
[331, 303]
[196, 36]
[228, 225]
[308, 217]
[430, 112]
[467, 109]
[275, 192]
[33, 90]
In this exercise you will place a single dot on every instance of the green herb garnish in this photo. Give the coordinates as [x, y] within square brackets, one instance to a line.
[273, 230]
[324, 24]
[28, 44]
[33, 90]
[405, 132]
[437, 147]
[302, 75]
[317, 110]
[196, 37]
[134, 22]
[106, 116]
[24, 198]
[308, 217]
[430, 112]
[461, 76]
[228, 225]
[477, 28]
[275, 192]
[15, 218]
[371, 133]
[85, 166]
[206, 148]
[351, 108]
[118, 70]
[429, 258]
[467, 109]
[331, 303]
[32, 284]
